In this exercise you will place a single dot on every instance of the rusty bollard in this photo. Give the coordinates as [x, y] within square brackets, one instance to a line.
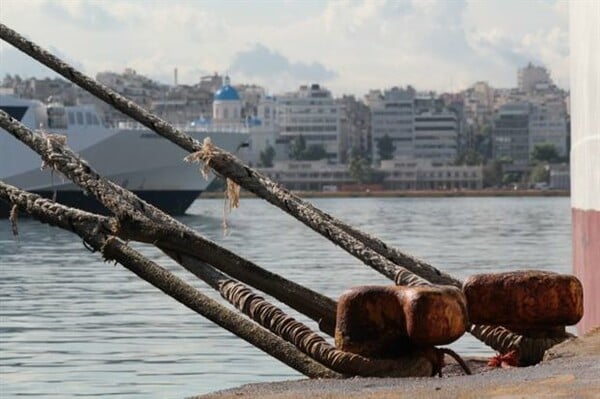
[389, 321]
[526, 302]
[522, 314]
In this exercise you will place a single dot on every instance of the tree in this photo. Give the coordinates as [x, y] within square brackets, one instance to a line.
[539, 174]
[492, 174]
[297, 148]
[469, 157]
[385, 148]
[483, 141]
[299, 151]
[359, 168]
[544, 152]
[314, 152]
[267, 156]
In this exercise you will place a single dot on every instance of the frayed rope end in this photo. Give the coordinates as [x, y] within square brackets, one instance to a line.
[204, 155]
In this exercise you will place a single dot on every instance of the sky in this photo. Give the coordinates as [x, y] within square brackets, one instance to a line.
[348, 46]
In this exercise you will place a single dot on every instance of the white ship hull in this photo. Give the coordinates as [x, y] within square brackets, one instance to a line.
[137, 159]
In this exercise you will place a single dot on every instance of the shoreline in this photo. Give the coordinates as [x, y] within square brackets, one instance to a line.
[409, 194]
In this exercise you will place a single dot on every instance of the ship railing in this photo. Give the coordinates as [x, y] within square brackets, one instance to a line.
[188, 127]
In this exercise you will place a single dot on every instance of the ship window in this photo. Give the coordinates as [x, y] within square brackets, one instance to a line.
[95, 120]
[57, 118]
[79, 118]
[88, 118]
[15, 112]
[71, 118]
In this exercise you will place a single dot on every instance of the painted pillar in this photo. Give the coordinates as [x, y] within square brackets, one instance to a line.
[585, 153]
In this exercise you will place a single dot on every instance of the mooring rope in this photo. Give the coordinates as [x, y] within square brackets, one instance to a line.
[458, 359]
[273, 318]
[404, 277]
[529, 350]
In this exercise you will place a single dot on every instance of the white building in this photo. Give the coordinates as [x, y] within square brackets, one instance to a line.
[397, 174]
[392, 115]
[308, 175]
[312, 113]
[264, 132]
[424, 174]
[436, 136]
[548, 125]
[227, 105]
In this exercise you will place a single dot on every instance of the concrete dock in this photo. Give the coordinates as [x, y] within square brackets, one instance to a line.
[570, 370]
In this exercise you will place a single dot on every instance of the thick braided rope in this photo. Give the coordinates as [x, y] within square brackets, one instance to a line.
[59, 157]
[48, 211]
[274, 319]
[405, 277]
[529, 350]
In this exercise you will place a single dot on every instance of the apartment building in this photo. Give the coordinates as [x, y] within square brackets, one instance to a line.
[310, 112]
[548, 125]
[392, 116]
[436, 135]
[531, 76]
[511, 133]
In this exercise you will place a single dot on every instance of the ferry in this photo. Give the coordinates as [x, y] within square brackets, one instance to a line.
[132, 156]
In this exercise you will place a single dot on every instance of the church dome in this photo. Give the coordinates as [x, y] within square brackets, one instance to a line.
[227, 92]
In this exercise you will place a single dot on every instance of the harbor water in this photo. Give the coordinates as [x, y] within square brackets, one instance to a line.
[72, 325]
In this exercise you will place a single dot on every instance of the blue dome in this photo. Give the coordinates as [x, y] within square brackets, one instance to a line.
[227, 93]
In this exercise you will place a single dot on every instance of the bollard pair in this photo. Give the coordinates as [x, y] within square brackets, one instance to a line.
[392, 321]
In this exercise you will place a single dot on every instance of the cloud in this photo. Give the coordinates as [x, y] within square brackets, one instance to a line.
[86, 15]
[267, 65]
[350, 45]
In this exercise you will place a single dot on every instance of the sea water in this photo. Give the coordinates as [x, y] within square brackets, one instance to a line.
[72, 325]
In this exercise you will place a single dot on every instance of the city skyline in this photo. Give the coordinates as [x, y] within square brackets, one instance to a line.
[350, 47]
